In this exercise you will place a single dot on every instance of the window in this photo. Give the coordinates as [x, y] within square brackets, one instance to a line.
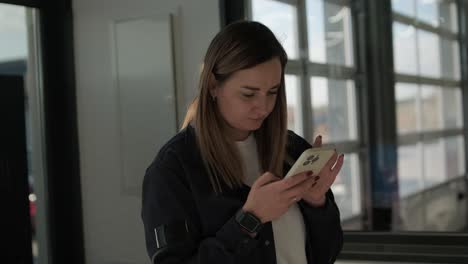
[428, 103]
[320, 81]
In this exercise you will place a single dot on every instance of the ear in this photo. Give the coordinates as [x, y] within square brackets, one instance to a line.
[213, 91]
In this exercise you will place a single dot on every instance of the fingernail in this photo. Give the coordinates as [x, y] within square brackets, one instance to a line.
[317, 178]
[310, 173]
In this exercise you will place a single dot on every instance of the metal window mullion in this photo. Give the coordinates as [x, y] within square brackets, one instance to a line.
[416, 137]
[306, 104]
[359, 17]
[462, 15]
[331, 71]
[294, 67]
[397, 17]
[248, 13]
[406, 78]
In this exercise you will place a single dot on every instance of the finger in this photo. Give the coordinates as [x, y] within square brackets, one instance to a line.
[318, 142]
[331, 161]
[334, 173]
[298, 191]
[339, 164]
[266, 178]
[295, 179]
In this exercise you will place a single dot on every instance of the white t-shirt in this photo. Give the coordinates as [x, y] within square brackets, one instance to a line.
[288, 230]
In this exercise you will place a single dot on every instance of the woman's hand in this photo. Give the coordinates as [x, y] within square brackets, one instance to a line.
[270, 196]
[315, 194]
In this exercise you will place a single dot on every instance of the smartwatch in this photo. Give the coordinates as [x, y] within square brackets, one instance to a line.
[248, 221]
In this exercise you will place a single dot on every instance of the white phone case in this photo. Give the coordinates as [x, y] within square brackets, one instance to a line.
[313, 159]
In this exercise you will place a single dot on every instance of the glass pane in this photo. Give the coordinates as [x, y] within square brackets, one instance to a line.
[407, 107]
[435, 166]
[347, 190]
[450, 55]
[330, 34]
[448, 16]
[452, 108]
[334, 109]
[429, 54]
[405, 7]
[455, 156]
[404, 49]
[281, 18]
[426, 203]
[428, 11]
[410, 178]
[293, 98]
[431, 102]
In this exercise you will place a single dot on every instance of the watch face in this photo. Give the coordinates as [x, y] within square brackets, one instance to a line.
[249, 222]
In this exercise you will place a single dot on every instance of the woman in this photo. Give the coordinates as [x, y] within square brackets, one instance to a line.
[215, 192]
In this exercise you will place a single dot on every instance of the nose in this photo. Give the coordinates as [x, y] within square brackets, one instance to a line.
[261, 106]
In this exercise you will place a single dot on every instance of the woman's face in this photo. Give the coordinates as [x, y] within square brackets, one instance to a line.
[248, 97]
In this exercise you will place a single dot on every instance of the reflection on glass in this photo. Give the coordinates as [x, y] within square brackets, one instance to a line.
[435, 166]
[450, 55]
[330, 35]
[429, 54]
[452, 108]
[427, 108]
[404, 7]
[404, 49]
[334, 109]
[293, 98]
[407, 107]
[431, 100]
[347, 188]
[427, 203]
[410, 177]
[455, 156]
[448, 15]
[433, 12]
[281, 18]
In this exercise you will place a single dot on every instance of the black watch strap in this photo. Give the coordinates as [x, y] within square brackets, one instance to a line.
[248, 221]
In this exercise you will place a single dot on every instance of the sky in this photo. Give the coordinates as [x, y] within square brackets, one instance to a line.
[13, 35]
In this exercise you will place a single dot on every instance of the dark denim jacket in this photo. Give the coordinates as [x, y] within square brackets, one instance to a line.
[185, 222]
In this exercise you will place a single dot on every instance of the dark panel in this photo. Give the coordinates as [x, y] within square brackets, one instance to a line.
[231, 11]
[14, 188]
[463, 27]
[63, 175]
[29, 3]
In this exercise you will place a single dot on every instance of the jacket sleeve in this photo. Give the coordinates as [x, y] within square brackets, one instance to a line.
[324, 232]
[172, 225]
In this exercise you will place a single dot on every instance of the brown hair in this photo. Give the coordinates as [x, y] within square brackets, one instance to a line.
[238, 46]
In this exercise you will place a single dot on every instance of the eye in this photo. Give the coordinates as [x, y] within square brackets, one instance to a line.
[248, 95]
[273, 92]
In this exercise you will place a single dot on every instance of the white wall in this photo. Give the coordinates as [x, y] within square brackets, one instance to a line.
[113, 229]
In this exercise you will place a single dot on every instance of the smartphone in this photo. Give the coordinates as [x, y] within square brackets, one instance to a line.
[313, 159]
